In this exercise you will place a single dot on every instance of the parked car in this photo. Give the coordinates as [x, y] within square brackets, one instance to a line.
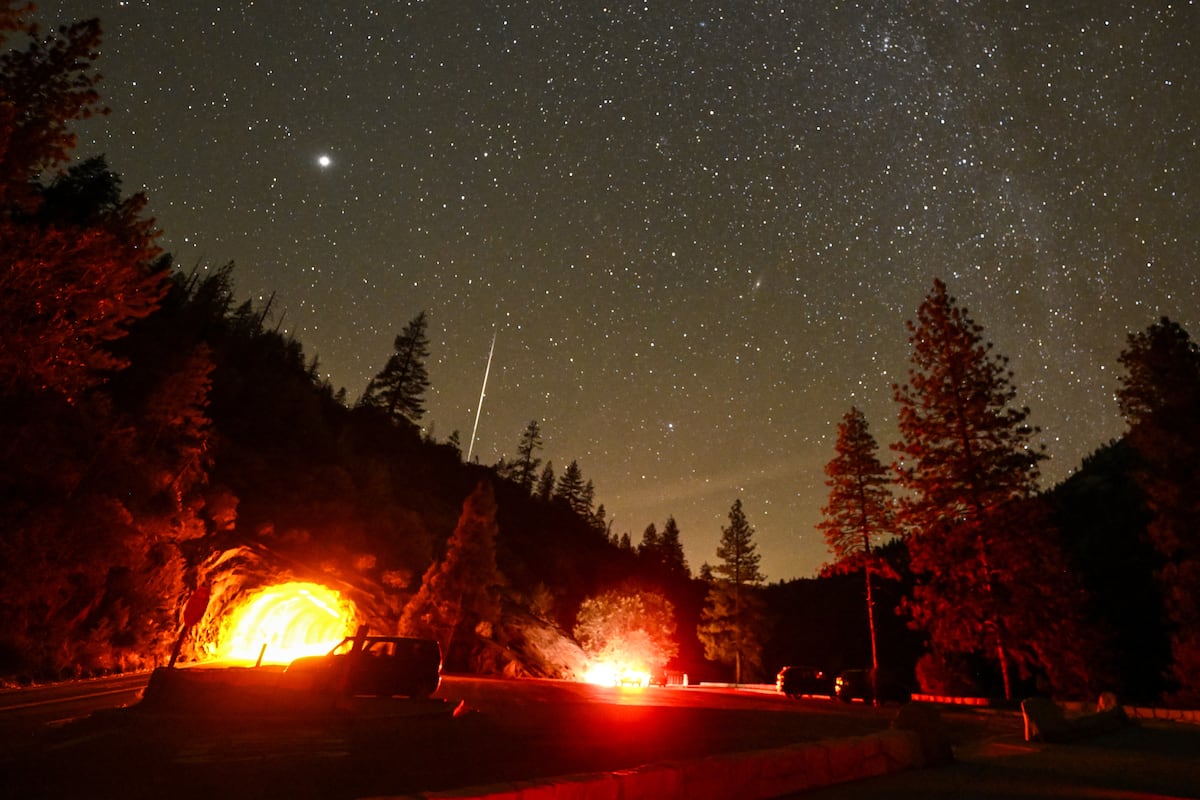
[796, 681]
[856, 684]
[382, 666]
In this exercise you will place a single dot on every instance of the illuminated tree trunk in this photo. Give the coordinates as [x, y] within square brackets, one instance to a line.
[860, 509]
[874, 646]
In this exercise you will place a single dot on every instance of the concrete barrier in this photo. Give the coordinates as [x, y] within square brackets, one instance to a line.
[758, 775]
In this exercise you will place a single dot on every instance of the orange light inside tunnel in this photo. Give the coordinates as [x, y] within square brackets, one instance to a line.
[291, 619]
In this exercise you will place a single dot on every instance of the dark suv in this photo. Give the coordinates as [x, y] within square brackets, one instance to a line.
[856, 684]
[382, 666]
[796, 681]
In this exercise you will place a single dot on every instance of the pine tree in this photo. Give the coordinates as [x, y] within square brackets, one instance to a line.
[545, 487]
[600, 520]
[524, 470]
[985, 559]
[399, 388]
[732, 616]
[648, 550]
[663, 552]
[458, 595]
[673, 559]
[1160, 399]
[571, 489]
[860, 509]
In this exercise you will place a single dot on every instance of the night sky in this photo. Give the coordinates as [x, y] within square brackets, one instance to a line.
[697, 229]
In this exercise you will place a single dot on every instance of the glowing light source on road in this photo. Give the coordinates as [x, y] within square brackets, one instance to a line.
[292, 619]
[608, 673]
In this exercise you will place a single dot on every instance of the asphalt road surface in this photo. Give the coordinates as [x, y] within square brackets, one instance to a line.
[62, 742]
[506, 731]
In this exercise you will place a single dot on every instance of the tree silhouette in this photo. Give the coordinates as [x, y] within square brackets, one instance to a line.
[663, 552]
[732, 616]
[860, 510]
[572, 490]
[545, 486]
[1160, 399]
[649, 547]
[524, 470]
[990, 575]
[673, 560]
[399, 388]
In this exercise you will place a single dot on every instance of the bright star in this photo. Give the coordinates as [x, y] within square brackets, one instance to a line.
[324, 161]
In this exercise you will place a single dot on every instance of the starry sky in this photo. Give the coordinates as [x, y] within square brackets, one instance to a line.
[696, 229]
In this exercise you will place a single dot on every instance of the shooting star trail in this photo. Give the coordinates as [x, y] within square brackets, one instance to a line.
[483, 391]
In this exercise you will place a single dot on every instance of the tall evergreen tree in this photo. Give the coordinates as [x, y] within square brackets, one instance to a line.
[673, 559]
[663, 552]
[459, 594]
[732, 617]
[524, 470]
[572, 490]
[860, 509]
[1160, 399]
[600, 519]
[649, 547]
[990, 573]
[399, 388]
[545, 487]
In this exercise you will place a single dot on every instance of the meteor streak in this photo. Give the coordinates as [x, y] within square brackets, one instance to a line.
[483, 390]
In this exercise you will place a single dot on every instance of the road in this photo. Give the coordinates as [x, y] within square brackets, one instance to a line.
[24, 710]
[57, 744]
[510, 730]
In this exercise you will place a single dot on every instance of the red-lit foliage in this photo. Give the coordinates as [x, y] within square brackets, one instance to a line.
[459, 601]
[91, 504]
[77, 261]
[990, 575]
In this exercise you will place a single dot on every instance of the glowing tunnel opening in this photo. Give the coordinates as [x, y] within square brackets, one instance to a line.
[291, 619]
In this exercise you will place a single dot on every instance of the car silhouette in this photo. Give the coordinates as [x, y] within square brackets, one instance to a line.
[380, 666]
[797, 681]
[857, 684]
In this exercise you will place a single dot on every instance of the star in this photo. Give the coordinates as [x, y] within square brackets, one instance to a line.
[725, 228]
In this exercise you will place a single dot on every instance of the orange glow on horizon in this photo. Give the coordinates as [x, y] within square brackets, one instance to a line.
[292, 619]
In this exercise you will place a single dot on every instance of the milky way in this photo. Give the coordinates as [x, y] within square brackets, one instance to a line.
[696, 229]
